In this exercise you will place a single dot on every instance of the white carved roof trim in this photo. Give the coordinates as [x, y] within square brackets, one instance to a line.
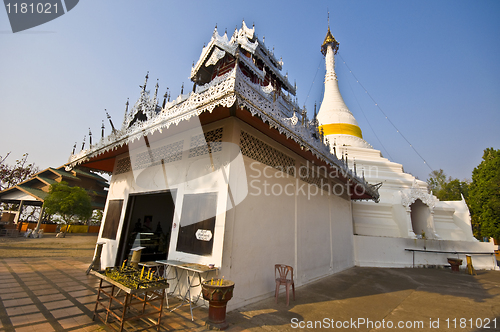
[409, 196]
[234, 87]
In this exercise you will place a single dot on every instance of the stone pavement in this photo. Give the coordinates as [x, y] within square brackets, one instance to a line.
[55, 294]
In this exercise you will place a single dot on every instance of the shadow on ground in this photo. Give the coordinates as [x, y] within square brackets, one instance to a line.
[416, 298]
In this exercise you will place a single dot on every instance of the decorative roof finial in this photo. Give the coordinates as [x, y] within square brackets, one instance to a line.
[74, 148]
[111, 122]
[165, 98]
[126, 112]
[156, 91]
[145, 82]
[83, 143]
[315, 114]
[182, 88]
[329, 40]
[90, 138]
[102, 129]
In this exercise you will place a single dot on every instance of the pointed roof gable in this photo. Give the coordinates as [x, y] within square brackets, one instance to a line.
[246, 40]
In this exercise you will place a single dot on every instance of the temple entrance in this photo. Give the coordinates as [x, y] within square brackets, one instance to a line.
[147, 223]
[420, 214]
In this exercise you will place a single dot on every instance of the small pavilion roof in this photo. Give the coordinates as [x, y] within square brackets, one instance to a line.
[35, 190]
[37, 193]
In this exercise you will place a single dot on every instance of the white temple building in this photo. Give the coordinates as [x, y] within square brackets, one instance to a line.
[234, 174]
[231, 174]
[407, 215]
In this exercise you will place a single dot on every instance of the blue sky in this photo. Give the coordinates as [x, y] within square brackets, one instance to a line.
[432, 67]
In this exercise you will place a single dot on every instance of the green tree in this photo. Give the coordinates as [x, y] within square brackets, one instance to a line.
[71, 203]
[436, 180]
[484, 195]
[447, 188]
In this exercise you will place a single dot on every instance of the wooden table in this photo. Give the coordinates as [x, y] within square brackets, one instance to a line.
[112, 300]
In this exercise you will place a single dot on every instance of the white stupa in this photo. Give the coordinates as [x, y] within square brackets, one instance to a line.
[407, 216]
[335, 119]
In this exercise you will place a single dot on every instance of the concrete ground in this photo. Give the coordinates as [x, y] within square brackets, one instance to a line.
[51, 292]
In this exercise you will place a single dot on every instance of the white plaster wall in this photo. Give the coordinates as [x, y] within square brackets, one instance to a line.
[260, 233]
[375, 219]
[186, 176]
[118, 189]
[279, 223]
[390, 252]
[312, 235]
[459, 217]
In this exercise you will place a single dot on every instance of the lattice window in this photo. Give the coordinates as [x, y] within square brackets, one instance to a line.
[311, 176]
[314, 176]
[123, 166]
[202, 143]
[168, 153]
[257, 150]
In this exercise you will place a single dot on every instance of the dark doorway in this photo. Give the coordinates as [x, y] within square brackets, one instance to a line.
[420, 215]
[148, 223]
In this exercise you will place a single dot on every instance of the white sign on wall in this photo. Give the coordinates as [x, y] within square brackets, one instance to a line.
[204, 234]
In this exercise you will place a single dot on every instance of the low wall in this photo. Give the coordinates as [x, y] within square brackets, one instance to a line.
[372, 251]
[47, 228]
[80, 229]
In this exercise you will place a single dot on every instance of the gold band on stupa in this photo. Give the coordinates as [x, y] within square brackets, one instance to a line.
[341, 129]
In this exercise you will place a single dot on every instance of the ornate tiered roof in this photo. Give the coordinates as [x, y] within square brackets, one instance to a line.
[238, 71]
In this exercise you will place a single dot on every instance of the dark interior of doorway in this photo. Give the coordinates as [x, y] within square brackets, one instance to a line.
[147, 223]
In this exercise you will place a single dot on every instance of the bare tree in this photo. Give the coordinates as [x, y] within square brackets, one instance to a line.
[10, 175]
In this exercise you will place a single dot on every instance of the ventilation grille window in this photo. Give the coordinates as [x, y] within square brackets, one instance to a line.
[311, 176]
[123, 166]
[200, 144]
[257, 150]
[168, 153]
